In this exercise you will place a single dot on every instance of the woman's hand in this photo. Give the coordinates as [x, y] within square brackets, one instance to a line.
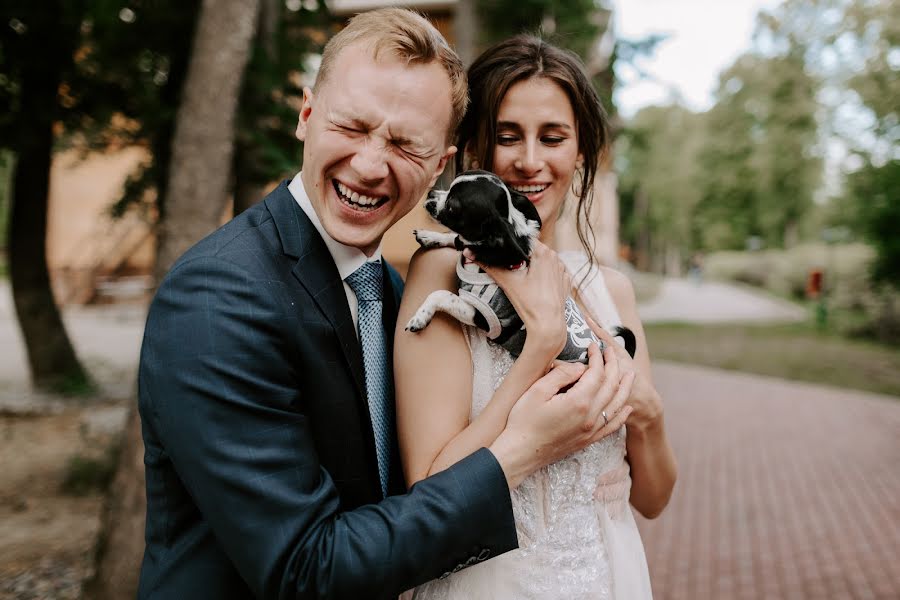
[644, 400]
[538, 294]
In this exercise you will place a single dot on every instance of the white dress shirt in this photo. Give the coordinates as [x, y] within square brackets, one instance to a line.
[347, 258]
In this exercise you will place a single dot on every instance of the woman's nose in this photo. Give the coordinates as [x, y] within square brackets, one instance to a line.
[530, 161]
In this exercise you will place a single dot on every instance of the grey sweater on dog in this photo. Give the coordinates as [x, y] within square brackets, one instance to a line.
[504, 325]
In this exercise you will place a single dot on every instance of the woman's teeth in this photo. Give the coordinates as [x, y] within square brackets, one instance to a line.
[530, 189]
[356, 199]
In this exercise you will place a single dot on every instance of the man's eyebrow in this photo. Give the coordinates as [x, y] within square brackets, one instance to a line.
[350, 120]
[417, 143]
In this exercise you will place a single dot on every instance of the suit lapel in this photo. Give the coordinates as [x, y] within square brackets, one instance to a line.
[316, 271]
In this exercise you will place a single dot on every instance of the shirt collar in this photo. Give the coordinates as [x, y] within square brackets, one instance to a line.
[347, 258]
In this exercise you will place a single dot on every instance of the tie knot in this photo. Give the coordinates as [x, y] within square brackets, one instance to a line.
[366, 282]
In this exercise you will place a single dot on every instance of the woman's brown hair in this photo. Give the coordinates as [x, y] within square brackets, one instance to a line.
[517, 59]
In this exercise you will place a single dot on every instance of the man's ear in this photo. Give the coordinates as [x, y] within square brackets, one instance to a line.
[451, 150]
[305, 112]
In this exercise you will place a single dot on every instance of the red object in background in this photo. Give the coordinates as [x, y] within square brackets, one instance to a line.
[814, 284]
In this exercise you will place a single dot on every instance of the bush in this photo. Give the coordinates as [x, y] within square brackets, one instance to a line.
[856, 306]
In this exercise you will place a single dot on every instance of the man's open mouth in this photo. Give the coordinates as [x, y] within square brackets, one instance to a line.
[356, 200]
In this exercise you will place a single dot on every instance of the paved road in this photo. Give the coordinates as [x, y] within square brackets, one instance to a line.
[785, 490]
[716, 302]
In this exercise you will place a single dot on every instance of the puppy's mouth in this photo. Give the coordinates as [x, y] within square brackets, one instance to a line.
[356, 200]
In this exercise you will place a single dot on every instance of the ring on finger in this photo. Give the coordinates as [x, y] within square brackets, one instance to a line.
[605, 418]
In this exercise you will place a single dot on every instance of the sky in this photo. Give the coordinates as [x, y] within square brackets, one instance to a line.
[706, 37]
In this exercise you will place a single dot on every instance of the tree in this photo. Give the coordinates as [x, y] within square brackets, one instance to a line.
[197, 190]
[204, 139]
[658, 182]
[265, 145]
[37, 45]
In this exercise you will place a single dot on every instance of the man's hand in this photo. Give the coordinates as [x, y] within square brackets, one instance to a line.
[547, 424]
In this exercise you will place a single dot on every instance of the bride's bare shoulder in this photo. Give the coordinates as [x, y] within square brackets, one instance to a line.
[434, 268]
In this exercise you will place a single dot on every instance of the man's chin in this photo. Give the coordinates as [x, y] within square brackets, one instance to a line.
[364, 242]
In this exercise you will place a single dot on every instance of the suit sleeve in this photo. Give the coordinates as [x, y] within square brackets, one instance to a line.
[218, 388]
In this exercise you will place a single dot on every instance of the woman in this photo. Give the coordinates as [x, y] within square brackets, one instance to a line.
[536, 121]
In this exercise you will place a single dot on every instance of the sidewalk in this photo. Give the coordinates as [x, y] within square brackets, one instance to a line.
[785, 490]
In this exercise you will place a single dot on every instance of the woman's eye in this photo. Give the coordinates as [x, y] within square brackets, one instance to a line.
[505, 140]
[552, 140]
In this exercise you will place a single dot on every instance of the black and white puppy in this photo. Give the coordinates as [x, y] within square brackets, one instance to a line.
[499, 226]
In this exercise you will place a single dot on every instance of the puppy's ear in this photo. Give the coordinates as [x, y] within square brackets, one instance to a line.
[524, 206]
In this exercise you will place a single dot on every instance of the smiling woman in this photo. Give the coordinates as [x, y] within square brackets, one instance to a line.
[537, 123]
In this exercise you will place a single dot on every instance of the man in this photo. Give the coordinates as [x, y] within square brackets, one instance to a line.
[272, 467]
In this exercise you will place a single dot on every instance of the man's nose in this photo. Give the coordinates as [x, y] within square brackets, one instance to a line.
[369, 162]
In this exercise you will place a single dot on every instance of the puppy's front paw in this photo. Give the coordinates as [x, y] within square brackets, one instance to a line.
[430, 239]
[417, 323]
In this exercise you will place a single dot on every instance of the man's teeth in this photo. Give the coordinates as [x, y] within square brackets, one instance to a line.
[530, 189]
[355, 197]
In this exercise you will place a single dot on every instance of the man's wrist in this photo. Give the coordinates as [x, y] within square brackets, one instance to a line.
[509, 450]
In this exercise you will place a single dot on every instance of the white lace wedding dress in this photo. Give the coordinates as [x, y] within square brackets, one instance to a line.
[577, 535]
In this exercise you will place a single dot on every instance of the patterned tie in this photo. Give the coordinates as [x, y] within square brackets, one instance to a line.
[366, 284]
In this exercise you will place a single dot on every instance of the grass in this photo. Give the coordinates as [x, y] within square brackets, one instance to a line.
[795, 351]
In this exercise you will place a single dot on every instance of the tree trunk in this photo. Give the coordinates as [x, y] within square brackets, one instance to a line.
[121, 544]
[642, 258]
[54, 365]
[248, 160]
[204, 128]
[195, 198]
[465, 31]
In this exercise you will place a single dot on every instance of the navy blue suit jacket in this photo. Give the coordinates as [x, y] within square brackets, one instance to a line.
[262, 478]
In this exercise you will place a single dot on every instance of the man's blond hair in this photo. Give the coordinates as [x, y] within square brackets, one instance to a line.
[408, 36]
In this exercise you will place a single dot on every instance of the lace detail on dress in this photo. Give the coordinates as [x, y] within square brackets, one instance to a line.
[577, 535]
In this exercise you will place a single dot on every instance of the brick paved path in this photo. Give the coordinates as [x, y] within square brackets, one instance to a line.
[785, 490]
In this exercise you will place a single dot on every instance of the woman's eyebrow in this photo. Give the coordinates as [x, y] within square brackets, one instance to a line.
[508, 125]
[512, 125]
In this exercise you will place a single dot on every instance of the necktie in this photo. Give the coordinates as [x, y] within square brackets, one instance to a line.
[366, 284]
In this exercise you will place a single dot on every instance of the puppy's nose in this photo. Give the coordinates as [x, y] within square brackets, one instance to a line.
[431, 205]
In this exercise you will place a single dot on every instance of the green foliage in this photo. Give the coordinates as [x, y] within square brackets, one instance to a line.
[875, 194]
[658, 172]
[577, 25]
[785, 272]
[821, 73]
[856, 304]
[266, 146]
